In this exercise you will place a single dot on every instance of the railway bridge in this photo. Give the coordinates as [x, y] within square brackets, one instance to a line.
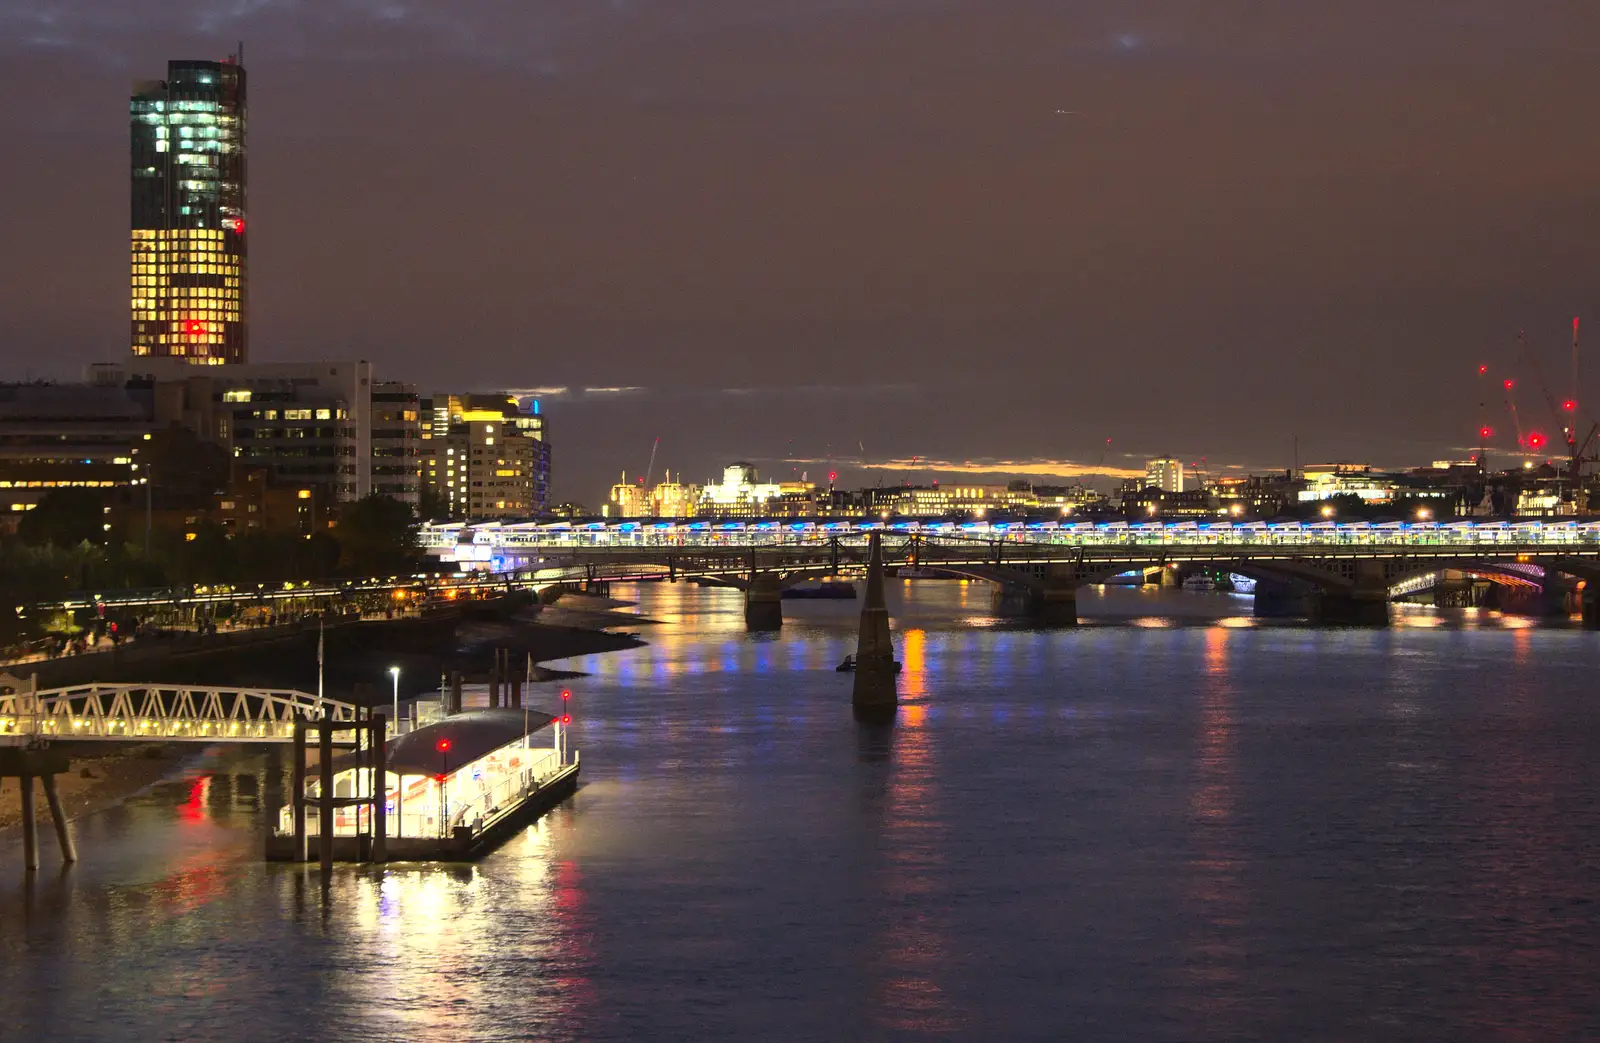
[1340, 583]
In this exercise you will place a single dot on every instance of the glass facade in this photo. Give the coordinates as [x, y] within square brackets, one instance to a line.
[188, 273]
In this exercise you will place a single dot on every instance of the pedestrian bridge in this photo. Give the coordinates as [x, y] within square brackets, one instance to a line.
[157, 713]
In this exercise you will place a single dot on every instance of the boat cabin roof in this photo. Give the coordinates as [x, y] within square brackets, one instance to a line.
[465, 737]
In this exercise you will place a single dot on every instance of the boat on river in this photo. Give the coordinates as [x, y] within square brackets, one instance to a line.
[453, 791]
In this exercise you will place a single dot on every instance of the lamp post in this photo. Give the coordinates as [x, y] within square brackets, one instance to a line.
[394, 672]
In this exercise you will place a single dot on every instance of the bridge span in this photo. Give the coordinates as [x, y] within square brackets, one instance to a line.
[1316, 574]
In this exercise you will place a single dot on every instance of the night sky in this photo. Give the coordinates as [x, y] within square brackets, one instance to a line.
[970, 232]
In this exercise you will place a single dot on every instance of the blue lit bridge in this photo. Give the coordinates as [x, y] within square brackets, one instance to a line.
[1344, 573]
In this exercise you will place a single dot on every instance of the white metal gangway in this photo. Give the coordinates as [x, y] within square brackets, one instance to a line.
[160, 713]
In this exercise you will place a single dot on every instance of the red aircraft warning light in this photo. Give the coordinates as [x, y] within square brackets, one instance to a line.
[1510, 384]
[566, 694]
[1485, 432]
[1569, 405]
[443, 745]
[1482, 369]
[566, 718]
[195, 326]
[1536, 441]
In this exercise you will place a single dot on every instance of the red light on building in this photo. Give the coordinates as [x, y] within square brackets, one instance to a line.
[1536, 441]
[443, 745]
[833, 476]
[1482, 369]
[566, 718]
[1510, 384]
[566, 693]
[1569, 405]
[1485, 432]
[195, 326]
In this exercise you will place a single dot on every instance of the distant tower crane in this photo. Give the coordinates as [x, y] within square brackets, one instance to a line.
[1565, 414]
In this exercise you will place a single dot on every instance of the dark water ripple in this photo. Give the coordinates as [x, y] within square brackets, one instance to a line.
[1130, 831]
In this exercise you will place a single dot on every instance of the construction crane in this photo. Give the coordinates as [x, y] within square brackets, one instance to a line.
[649, 471]
[1098, 464]
[1565, 414]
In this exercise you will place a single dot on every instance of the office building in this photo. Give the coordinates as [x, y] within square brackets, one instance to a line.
[485, 456]
[396, 441]
[1164, 473]
[188, 274]
[328, 425]
[61, 436]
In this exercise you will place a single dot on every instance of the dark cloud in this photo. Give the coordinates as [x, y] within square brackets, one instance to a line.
[1199, 228]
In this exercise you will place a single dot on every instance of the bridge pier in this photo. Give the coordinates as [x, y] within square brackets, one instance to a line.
[874, 695]
[1350, 609]
[1276, 599]
[1050, 601]
[24, 765]
[763, 603]
[1169, 578]
[1590, 605]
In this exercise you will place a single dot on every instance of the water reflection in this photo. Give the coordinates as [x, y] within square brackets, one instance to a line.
[1208, 830]
[1217, 955]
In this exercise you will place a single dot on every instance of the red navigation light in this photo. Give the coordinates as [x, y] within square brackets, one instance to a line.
[195, 326]
[1485, 432]
[1536, 441]
[1510, 384]
[566, 718]
[443, 745]
[566, 693]
[1569, 405]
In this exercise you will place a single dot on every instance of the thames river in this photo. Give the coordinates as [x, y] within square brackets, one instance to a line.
[1170, 823]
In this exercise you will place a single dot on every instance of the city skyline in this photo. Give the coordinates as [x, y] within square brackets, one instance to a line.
[1110, 228]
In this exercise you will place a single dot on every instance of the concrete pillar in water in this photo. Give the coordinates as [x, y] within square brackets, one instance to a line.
[1364, 605]
[69, 853]
[763, 602]
[30, 826]
[495, 673]
[874, 689]
[325, 790]
[299, 784]
[1279, 599]
[1169, 577]
[1055, 603]
[380, 794]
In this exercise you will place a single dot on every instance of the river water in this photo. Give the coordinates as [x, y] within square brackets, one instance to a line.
[1169, 824]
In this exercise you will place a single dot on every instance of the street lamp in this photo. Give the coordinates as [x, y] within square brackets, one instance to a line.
[394, 672]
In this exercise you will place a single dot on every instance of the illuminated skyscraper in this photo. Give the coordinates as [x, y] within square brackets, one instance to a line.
[188, 270]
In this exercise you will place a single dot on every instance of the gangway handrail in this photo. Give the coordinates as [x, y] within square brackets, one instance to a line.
[133, 712]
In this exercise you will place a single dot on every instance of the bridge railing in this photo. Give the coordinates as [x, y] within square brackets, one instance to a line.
[136, 712]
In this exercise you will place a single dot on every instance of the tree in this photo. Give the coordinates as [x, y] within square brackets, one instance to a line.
[431, 506]
[377, 536]
[65, 518]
